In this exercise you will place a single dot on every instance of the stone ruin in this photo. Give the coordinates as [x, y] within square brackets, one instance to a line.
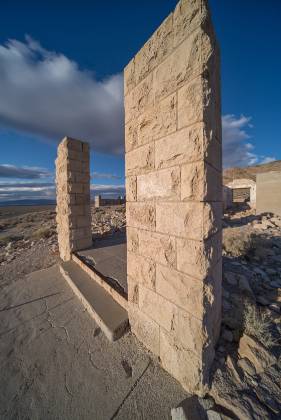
[173, 192]
[73, 197]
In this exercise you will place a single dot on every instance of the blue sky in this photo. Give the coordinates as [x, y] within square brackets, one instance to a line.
[61, 69]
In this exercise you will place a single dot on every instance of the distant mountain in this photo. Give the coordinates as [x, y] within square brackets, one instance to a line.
[250, 172]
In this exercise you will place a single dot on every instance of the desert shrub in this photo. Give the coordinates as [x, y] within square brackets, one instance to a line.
[258, 325]
[43, 232]
[5, 239]
[237, 242]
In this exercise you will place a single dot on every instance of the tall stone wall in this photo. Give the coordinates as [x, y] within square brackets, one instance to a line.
[269, 193]
[174, 193]
[73, 197]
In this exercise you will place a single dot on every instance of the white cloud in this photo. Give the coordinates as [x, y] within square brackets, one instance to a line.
[48, 95]
[25, 172]
[268, 159]
[100, 175]
[11, 191]
[237, 149]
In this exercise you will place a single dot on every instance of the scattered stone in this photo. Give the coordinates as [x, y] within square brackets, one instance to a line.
[207, 403]
[246, 366]
[178, 414]
[231, 364]
[213, 415]
[259, 356]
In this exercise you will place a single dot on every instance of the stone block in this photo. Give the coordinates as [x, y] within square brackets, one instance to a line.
[82, 178]
[131, 188]
[188, 15]
[157, 308]
[140, 160]
[185, 219]
[193, 335]
[71, 144]
[140, 215]
[75, 188]
[133, 291]
[159, 185]
[182, 364]
[154, 50]
[188, 145]
[133, 240]
[74, 165]
[141, 270]
[200, 182]
[83, 221]
[157, 121]
[181, 289]
[85, 242]
[196, 258]
[185, 62]
[146, 330]
[161, 248]
[129, 77]
[82, 198]
[139, 98]
[212, 218]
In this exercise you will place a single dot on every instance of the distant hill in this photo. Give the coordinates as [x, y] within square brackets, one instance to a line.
[250, 172]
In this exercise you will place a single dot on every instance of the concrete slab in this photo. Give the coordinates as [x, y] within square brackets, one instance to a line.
[109, 315]
[108, 256]
[56, 364]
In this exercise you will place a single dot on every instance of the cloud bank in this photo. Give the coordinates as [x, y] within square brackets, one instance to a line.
[238, 150]
[47, 191]
[24, 172]
[48, 95]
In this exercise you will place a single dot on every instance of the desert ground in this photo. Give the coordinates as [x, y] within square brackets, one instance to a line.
[57, 364]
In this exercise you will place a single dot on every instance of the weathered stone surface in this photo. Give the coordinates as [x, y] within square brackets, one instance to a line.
[182, 290]
[145, 329]
[155, 49]
[258, 355]
[142, 270]
[161, 248]
[184, 63]
[197, 258]
[181, 363]
[157, 308]
[200, 182]
[185, 219]
[139, 98]
[140, 215]
[173, 171]
[188, 15]
[140, 160]
[161, 185]
[131, 188]
[73, 197]
[190, 144]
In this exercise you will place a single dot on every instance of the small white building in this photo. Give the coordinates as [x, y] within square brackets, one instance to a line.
[243, 190]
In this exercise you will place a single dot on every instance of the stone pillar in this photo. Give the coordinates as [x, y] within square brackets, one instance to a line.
[174, 193]
[73, 197]
[97, 201]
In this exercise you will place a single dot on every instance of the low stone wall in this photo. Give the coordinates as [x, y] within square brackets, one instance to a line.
[269, 193]
[243, 184]
[100, 201]
[73, 197]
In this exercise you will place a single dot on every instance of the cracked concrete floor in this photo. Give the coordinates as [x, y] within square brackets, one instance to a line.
[56, 364]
